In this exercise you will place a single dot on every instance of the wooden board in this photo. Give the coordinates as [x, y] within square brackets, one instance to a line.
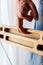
[32, 42]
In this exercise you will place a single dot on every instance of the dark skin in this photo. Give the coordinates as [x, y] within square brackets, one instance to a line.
[22, 9]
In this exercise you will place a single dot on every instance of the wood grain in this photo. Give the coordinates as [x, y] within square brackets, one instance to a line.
[32, 42]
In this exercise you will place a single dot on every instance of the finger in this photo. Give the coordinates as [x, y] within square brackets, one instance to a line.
[27, 17]
[23, 30]
[20, 26]
[19, 22]
[34, 10]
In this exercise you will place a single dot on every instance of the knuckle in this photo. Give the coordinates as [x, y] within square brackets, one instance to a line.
[20, 14]
[36, 16]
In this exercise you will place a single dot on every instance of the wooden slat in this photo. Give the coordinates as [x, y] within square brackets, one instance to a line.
[32, 42]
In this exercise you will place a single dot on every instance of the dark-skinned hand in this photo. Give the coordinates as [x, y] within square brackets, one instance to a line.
[22, 9]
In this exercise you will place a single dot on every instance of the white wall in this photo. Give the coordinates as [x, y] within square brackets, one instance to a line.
[9, 56]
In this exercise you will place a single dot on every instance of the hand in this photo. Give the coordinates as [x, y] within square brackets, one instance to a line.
[23, 7]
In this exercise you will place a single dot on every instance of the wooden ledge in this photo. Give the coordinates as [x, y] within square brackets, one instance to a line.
[32, 42]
